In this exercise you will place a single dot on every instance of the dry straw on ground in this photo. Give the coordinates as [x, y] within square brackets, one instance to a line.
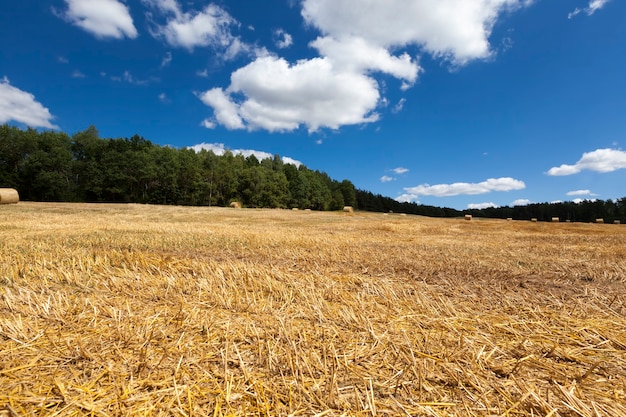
[9, 196]
[109, 310]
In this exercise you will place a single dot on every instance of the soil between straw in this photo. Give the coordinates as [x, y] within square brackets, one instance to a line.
[148, 310]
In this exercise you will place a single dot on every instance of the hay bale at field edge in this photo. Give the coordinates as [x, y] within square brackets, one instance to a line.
[235, 204]
[9, 196]
[468, 217]
[348, 209]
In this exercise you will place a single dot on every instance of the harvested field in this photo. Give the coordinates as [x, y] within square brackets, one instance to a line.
[109, 310]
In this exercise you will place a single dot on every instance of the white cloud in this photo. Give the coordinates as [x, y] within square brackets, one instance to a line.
[356, 55]
[226, 111]
[399, 106]
[283, 39]
[480, 206]
[593, 6]
[456, 29]
[521, 202]
[600, 160]
[358, 39]
[400, 170]
[581, 200]
[167, 59]
[78, 74]
[282, 97]
[386, 178]
[580, 192]
[464, 188]
[101, 18]
[20, 106]
[220, 149]
[209, 27]
[163, 98]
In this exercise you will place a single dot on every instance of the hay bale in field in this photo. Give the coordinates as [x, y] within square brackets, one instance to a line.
[295, 209]
[616, 222]
[9, 196]
[599, 220]
[235, 204]
[468, 217]
[555, 220]
[534, 220]
[509, 219]
[348, 209]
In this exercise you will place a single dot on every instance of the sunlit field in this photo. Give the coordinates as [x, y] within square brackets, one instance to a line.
[110, 310]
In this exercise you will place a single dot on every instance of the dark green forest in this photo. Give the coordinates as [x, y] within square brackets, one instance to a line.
[53, 166]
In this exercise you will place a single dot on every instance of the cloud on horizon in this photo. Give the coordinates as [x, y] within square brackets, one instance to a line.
[481, 206]
[462, 188]
[21, 106]
[600, 160]
[220, 149]
[101, 18]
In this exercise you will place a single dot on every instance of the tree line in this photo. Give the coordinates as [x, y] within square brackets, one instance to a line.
[53, 166]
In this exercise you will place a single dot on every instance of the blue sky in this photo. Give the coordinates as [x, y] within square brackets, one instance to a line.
[457, 103]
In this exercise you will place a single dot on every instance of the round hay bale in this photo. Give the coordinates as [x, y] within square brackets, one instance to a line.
[599, 220]
[534, 220]
[235, 204]
[616, 222]
[509, 219]
[555, 220]
[468, 217]
[348, 209]
[9, 196]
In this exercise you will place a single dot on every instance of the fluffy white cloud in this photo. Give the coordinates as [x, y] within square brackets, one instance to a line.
[282, 97]
[480, 206]
[464, 188]
[220, 149]
[356, 55]
[101, 18]
[386, 178]
[593, 6]
[358, 39]
[400, 170]
[20, 106]
[600, 160]
[456, 29]
[209, 27]
[226, 111]
[521, 202]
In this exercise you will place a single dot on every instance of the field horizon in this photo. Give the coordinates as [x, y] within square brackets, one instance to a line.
[128, 309]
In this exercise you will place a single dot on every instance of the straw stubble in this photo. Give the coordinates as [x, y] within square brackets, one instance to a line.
[128, 310]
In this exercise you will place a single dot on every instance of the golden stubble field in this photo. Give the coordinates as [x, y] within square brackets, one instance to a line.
[109, 310]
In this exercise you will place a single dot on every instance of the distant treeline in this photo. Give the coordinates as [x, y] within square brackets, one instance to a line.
[53, 166]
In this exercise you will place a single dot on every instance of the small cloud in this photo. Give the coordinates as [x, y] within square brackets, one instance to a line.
[283, 39]
[481, 206]
[163, 98]
[399, 106]
[220, 149]
[78, 74]
[580, 192]
[63, 60]
[386, 178]
[167, 59]
[203, 73]
[521, 202]
[400, 170]
[600, 160]
[22, 107]
[209, 124]
[101, 18]
[594, 5]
